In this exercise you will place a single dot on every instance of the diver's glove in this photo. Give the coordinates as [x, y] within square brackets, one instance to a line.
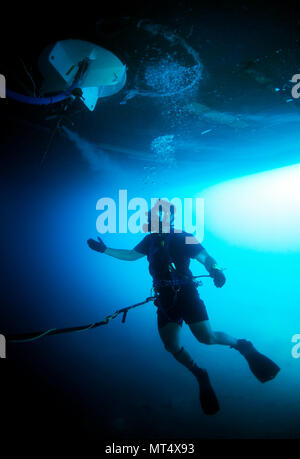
[95, 245]
[218, 276]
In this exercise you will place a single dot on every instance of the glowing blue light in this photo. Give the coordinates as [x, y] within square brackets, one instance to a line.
[260, 211]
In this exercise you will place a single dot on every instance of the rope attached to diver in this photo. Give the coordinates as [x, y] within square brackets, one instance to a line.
[26, 337]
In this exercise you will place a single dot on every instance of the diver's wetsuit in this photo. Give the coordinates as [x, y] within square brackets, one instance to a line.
[179, 301]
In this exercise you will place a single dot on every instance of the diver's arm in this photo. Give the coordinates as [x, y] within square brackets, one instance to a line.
[208, 261]
[211, 266]
[121, 254]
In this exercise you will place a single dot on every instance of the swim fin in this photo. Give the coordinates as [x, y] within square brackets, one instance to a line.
[261, 366]
[208, 399]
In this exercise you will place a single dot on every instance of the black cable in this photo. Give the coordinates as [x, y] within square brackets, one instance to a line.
[26, 337]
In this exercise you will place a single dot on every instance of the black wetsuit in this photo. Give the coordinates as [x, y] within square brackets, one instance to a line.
[177, 295]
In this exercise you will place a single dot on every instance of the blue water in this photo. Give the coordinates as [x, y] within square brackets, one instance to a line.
[119, 376]
[117, 381]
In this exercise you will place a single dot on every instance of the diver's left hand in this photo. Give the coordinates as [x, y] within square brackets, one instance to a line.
[218, 277]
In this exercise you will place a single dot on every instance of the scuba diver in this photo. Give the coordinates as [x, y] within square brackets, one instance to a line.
[177, 298]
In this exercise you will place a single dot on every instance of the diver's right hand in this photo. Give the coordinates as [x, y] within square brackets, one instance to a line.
[95, 245]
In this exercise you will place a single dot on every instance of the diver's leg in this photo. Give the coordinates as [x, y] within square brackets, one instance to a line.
[261, 366]
[203, 332]
[170, 334]
[195, 315]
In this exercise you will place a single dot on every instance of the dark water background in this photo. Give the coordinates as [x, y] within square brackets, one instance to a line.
[117, 381]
